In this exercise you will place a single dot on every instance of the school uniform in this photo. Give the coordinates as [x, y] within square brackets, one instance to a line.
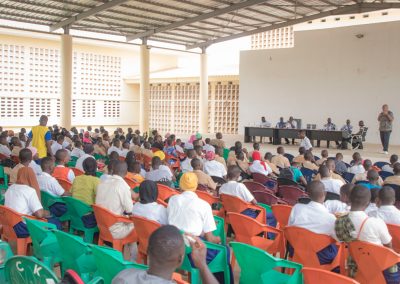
[209, 148]
[388, 213]
[299, 159]
[387, 168]
[152, 211]
[311, 166]
[55, 146]
[393, 180]
[280, 161]
[306, 143]
[114, 149]
[356, 169]
[163, 173]
[205, 179]
[5, 150]
[124, 152]
[336, 206]
[214, 168]
[79, 162]
[237, 189]
[49, 184]
[186, 166]
[257, 167]
[363, 177]
[332, 185]
[77, 152]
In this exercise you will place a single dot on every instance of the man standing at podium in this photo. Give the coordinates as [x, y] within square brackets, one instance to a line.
[385, 119]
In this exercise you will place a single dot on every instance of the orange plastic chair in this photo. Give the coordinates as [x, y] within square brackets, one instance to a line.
[176, 165]
[307, 244]
[210, 200]
[8, 219]
[315, 275]
[15, 159]
[132, 183]
[77, 172]
[144, 228]
[65, 184]
[371, 261]
[247, 230]
[281, 213]
[105, 219]
[165, 192]
[237, 205]
[394, 231]
[3, 157]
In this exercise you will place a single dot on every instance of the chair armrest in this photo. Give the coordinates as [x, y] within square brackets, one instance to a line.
[34, 218]
[289, 264]
[269, 229]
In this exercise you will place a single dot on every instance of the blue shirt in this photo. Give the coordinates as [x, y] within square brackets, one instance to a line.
[297, 174]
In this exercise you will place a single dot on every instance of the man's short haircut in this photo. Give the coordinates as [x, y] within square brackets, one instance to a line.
[113, 155]
[125, 145]
[372, 175]
[195, 163]
[396, 168]
[302, 150]
[198, 149]
[387, 195]
[25, 155]
[191, 153]
[308, 156]
[324, 153]
[280, 150]
[90, 166]
[61, 155]
[324, 171]
[360, 196]
[339, 156]
[357, 157]
[240, 156]
[136, 167]
[110, 166]
[78, 144]
[256, 146]
[165, 244]
[233, 172]
[374, 194]
[46, 163]
[208, 140]
[155, 161]
[346, 189]
[394, 158]
[218, 135]
[60, 137]
[316, 190]
[88, 149]
[120, 168]
[367, 164]
[268, 156]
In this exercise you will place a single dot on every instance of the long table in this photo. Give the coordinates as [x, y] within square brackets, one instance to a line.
[278, 133]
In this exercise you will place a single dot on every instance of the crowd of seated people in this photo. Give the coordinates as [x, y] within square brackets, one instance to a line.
[98, 167]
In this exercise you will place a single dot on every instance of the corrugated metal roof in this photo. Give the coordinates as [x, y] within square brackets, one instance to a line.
[193, 23]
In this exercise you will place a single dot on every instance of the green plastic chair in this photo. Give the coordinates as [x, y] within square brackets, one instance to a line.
[76, 255]
[77, 209]
[257, 266]
[99, 174]
[110, 262]
[218, 264]
[5, 254]
[48, 200]
[45, 245]
[27, 269]
[220, 231]
[226, 154]
[4, 177]
[2, 199]
[72, 162]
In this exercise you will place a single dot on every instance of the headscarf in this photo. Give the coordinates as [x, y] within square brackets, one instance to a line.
[27, 177]
[148, 192]
[159, 154]
[86, 138]
[188, 182]
[33, 150]
[210, 156]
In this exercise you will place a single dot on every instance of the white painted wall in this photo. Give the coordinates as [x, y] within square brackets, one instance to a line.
[329, 73]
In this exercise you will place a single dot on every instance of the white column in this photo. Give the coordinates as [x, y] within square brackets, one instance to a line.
[66, 80]
[203, 100]
[144, 87]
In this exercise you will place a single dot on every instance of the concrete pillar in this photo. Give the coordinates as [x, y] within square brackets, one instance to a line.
[66, 80]
[203, 100]
[144, 87]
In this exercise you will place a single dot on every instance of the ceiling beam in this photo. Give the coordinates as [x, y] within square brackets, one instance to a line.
[198, 18]
[354, 8]
[88, 13]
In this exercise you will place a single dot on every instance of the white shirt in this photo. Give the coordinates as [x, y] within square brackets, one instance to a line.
[114, 149]
[162, 173]
[186, 166]
[76, 152]
[374, 230]
[36, 168]
[336, 206]
[104, 177]
[292, 124]
[114, 194]
[388, 213]
[65, 144]
[387, 168]
[5, 150]
[49, 184]
[214, 168]
[237, 189]
[55, 147]
[23, 199]
[152, 211]
[371, 208]
[179, 149]
[79, 162]
[265, 124]
[332, 185]
[313, 217]
[190, 214]
[124, 152]
[305, 142]
[357, 169]
[257, 167]
[209, 148]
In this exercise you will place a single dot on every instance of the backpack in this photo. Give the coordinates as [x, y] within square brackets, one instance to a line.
[286, 173]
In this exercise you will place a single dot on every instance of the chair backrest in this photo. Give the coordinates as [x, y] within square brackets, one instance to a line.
[218, 180]
[306, 245]
[385, 174]
[105, 219]
[8, 219]
[72, 277]
[308, 174]
[267, 198]
[257, 266]
[281, 214]
[285, 181]
[348, 177]
[315, 275]
[144, 228]
[290, 157]
[207, 197]
[291, 194]
[5, 254]
[131, 182]
[396, 189]
[77, 172]
[109, 262]
[76, 254]
[27, 269]
[255, 186]
[371, 261]
[4, 177]
[332, 196]
[394, 231]
[165, 192]
[65, 184]
[270, 183]
[381, 164]
[76, 209]
[47, 199]
[238, 205]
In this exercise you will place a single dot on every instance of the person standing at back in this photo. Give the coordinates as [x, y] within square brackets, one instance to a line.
[385, 119]
[41, 138]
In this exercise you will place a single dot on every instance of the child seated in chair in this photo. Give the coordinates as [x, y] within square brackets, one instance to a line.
[61, 171]
[386, 209]
[338, 207]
